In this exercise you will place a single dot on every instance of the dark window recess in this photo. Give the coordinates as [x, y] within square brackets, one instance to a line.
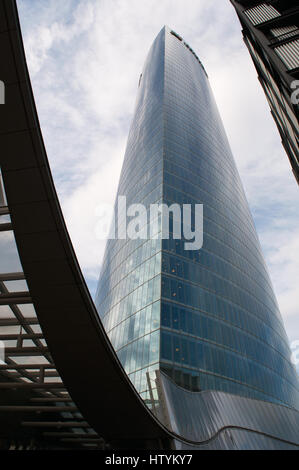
[176, 35]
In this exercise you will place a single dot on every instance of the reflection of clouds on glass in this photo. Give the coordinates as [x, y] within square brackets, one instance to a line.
[295, 352]
[9, 257]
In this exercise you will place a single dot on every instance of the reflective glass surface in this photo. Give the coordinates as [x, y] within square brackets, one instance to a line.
[208, 317]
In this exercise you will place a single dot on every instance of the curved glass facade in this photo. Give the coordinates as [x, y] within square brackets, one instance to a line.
[208, 317]
[227, 420]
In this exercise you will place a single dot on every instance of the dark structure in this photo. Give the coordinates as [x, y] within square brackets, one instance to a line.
[61, 383]
[271, 33]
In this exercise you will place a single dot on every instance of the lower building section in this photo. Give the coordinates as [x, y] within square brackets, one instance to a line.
[238, 439]
[212, 420]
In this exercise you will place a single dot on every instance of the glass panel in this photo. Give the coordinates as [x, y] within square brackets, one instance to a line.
[27, 310]
[3, 201]
[10, 261]
[52, 379]
[5, 312]
[29, 360]
[28, 343]
[9, 330]
[36, 328]
[5, 219]
[10, 343]
[16, 286]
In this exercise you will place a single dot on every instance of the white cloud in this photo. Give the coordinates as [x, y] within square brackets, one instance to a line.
[81, 209]
[85, 58]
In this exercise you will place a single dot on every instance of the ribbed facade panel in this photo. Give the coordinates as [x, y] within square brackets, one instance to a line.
[261, 13]
[275, 52]
[285, 32]
[289, 54]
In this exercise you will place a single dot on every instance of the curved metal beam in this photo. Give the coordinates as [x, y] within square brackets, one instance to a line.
[75, 336]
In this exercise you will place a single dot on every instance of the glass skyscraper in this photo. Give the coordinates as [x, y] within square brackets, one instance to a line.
[208, 318]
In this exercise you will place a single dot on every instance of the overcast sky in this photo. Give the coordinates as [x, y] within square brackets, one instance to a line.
[85, 59]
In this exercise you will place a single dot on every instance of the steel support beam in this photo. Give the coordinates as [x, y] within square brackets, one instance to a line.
[46, 385]
[39, 409]
[55, 424]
